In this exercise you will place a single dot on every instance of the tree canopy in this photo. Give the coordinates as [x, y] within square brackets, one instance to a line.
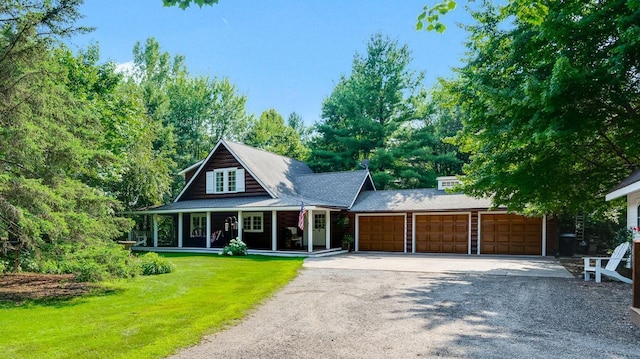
[379, 112]
[271, 133]
[551, 108]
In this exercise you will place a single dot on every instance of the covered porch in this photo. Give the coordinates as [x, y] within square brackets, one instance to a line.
[264, 230]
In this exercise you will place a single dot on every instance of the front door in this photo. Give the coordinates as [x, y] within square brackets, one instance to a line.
[319, 229]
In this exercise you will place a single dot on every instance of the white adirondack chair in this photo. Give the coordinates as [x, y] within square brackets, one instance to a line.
[610, 269]
[140, 238]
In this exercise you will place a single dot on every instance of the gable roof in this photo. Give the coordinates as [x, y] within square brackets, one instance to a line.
[426, 199]
[341, 188]
[274, 172]
[630, 184]
[290, 180]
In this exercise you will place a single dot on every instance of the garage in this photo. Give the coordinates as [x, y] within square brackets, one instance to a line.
[510, 234]
[442, 233]
[381, 233]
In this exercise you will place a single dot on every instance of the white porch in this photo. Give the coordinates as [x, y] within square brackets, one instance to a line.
[266, 230]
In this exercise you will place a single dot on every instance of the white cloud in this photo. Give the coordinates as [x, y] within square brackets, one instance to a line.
[126, 68]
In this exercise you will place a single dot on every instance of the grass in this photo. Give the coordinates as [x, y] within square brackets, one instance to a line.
[146, 317]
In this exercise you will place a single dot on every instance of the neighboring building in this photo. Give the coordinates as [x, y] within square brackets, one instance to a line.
[240, 191]
[630, 188]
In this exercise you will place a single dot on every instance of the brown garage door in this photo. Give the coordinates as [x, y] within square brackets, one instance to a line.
[510, 234]
[381, 233]
[444, 233]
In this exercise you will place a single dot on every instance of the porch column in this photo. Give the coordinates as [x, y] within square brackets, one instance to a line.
[207, 239]
[180, 226]
[240, 223]
[274, 230]
[155, 230]
[327, 229]
[309, 230]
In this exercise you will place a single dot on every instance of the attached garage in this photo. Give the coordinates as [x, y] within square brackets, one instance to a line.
[381, 233]
[502, 233]
[442, 233]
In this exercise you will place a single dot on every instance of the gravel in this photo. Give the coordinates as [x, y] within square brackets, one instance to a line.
[333, 313]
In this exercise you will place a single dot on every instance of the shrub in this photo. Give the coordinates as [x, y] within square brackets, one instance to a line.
[96, 262]
[235, 248]
[151, 263]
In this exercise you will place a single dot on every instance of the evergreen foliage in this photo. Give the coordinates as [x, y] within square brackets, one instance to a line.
[380, 113]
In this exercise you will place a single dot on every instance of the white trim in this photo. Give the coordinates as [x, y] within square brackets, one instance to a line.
[229, 209]
[240, 225]
[184, 171]
[357, 226]
[180, 227]
[327, 229]
[210, 181]
[244, 165]
[240, 161]
[360, 189]
[205, 161]
[470, 215]
[250, 216]
[155, 230]
[437, 214]
[309, 230]
[634, 187]
[225, 180]
[207, 239]
[274, 230]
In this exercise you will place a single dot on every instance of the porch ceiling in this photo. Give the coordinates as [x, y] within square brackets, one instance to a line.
[239, 203]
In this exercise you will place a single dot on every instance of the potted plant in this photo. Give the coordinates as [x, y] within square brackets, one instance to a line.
[347, 242]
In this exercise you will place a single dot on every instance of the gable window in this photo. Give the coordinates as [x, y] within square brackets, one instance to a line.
[225, 180]
[252, 222]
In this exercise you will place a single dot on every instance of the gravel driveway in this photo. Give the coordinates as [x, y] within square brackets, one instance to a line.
[338, 313]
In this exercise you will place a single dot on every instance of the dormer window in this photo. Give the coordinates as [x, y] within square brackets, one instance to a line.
[225, 180]
[447, 182]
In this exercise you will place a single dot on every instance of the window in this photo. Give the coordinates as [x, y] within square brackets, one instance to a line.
[219, 182]
[252, 222]
[198, 224]
[638, 213]
[319, 221]
[225, 180]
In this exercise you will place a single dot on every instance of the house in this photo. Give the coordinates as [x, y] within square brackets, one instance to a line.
[630, 188]
[278, 205]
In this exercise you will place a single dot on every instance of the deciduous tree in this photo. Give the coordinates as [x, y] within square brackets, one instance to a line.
[551, 108]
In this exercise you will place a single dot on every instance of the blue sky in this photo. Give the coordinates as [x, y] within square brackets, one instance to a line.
[282, 54]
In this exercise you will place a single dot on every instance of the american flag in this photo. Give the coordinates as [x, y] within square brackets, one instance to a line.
[303, 211]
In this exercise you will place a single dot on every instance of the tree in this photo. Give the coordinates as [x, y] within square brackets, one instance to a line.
[51, 152]
[296, 122]
[189, 113]
[183, 4]
[272, 134]
[364, 112]
[551, 109]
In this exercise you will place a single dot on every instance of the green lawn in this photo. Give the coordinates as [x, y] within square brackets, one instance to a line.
[147, 317]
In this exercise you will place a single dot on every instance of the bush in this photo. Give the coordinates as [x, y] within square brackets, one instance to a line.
[90, 261]
[235, 248]
[151, 263]
[97, 262]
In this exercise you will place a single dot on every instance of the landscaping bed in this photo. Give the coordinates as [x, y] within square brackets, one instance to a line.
[32, 286]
